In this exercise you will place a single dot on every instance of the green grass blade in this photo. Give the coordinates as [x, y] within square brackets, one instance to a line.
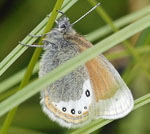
[19, 50]
[8, 93]
[142, 101]
[70, 65]
[124, 53]
[125, 20]
[19, 130]
[126, 43]
[144, 38]
[31, 65]
[104, 15]
[15, 79]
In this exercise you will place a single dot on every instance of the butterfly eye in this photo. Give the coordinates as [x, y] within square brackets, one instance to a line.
[63, 26]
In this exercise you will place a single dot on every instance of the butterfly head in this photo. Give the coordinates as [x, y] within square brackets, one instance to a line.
[63, 25]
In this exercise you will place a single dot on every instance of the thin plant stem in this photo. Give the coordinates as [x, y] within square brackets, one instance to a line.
[127, 44]
[31, 65]
[72, 64]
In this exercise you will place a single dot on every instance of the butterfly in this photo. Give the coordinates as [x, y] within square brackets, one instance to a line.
[91, 91]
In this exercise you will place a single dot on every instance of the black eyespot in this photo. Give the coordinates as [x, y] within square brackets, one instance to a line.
[73, 111]
[87, 93]
[79, 112]
[85, 107]
[64, 109]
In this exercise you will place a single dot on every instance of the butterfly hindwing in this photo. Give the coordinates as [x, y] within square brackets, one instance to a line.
[68, 101]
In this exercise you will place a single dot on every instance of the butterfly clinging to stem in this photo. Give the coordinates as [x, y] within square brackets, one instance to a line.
[91, 91]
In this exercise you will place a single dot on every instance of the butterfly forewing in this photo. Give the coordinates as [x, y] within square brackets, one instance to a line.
[113, 98]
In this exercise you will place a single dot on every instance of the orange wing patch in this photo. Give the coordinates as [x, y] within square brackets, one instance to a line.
[102, 79]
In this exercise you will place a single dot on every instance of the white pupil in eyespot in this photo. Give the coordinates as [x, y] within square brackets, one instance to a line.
[64, 109]
[87, 93]
[73, 111]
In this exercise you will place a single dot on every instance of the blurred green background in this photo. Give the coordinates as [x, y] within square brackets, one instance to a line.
[18, 18]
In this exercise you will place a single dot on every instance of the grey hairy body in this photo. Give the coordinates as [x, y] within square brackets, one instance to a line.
[57, 51]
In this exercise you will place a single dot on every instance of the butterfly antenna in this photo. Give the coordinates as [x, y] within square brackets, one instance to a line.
[62, 13]
[86, 14]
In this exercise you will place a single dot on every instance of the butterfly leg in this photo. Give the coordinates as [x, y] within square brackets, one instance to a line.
[37, 36]
[27, 45]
